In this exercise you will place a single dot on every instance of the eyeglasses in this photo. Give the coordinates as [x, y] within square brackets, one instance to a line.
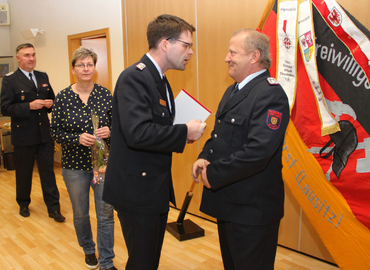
[187, 44]
[89, 65]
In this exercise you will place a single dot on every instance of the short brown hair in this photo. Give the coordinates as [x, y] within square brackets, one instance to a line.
[22, 46]
[82, 53]
[257, 41]
[166, 26]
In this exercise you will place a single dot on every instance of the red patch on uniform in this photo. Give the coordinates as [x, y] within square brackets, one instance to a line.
[273, 119]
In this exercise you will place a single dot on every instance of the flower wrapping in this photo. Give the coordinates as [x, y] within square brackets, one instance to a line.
[99, 153]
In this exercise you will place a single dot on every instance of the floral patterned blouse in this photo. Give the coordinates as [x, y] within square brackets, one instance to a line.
[71, 117]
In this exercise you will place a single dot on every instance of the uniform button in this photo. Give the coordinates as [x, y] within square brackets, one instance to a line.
[218, 121]
[40, 124]
[163, 114]
[211, 151]
[37, 94]
[215, 135]
[233, 120]
[143, 174]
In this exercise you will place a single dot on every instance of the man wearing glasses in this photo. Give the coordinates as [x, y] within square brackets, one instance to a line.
[138, 180]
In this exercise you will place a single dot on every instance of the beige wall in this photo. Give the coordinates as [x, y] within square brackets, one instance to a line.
[59, 19]
[4, 37]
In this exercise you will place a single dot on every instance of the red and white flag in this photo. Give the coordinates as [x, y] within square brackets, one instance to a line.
[326, 155]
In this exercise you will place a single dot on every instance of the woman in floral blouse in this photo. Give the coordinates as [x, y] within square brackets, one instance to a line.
[72, 128]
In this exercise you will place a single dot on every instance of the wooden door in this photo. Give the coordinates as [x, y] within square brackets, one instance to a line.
[99, 41]
[99, 46]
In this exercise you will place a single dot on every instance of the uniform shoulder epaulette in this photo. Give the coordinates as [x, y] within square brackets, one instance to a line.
[10, 73]
[272, 81]
[140, 66]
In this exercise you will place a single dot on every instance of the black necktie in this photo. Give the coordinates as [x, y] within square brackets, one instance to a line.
[30, 74]
[236, 89]
[166, 87]
[161, 85]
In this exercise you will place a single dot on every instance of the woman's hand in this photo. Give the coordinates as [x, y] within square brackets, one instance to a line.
[87, 139]
[103, 132]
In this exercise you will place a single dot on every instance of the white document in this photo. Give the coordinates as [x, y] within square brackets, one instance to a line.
[188, 108]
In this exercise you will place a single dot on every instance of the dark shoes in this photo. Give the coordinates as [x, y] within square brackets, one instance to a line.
[91, 261]
[57, 216]
[24, 212]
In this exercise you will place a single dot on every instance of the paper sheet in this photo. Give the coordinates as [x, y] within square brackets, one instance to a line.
[188, 108]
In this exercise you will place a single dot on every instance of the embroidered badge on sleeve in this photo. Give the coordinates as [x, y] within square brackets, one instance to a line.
[273, 119]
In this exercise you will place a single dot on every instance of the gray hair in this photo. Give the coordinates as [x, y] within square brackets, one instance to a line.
[255, 40]
[82, 53]
[22, 46]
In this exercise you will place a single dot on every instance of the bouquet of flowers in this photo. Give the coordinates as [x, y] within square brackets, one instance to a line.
[99, 152]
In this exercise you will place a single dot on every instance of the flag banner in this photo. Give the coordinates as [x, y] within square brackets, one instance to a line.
[287, 28]
[307, 45]
[347, 239]
[330, 175]
[287, 48]
[342, 25]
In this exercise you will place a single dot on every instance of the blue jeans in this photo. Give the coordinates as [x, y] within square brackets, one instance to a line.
[78, 185]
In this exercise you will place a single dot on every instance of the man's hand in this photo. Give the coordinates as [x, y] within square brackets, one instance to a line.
[197, 169]
[37, 104]
[204, 174]
[48, 103]
[195, 130]
[200, 167]
[87, 139]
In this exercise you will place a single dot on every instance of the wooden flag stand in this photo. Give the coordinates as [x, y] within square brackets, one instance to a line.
[185, 229]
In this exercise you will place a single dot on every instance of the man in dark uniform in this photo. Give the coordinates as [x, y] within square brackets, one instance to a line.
[27, 96]
[241, 163]
[138, 180]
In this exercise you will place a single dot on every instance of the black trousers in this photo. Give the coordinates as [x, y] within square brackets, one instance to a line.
[144, 238]
[245, 247]
[25, 157]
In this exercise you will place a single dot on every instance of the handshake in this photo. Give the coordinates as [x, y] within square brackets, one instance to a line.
[195, 130]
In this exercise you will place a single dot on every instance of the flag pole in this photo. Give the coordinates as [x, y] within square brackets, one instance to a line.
[265, 15]
[185, 229]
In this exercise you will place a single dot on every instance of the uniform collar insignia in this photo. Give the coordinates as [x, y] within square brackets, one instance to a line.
[272, 81]
[140, 66]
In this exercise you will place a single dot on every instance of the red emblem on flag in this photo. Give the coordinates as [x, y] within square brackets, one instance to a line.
[287, 42]
[335, 17]
[307, 45]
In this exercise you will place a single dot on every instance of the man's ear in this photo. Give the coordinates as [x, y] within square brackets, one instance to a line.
[163, 44]
[256, 56]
